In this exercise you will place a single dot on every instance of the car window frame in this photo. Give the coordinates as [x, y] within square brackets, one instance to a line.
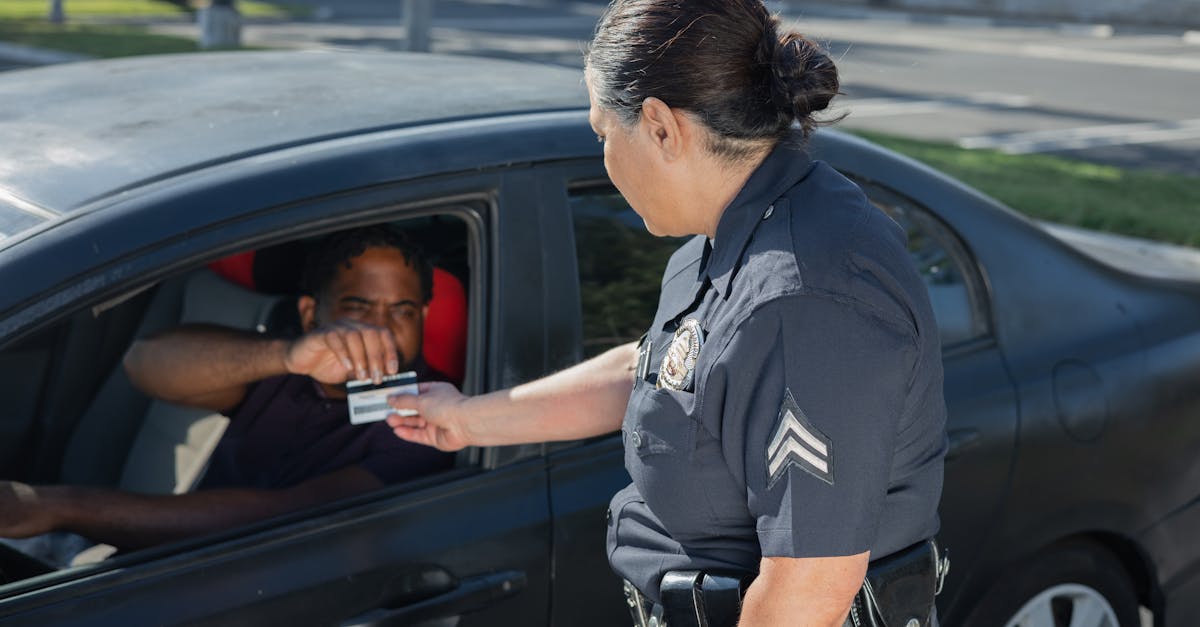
[351, 209]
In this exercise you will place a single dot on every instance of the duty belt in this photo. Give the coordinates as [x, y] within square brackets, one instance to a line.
[700, 599]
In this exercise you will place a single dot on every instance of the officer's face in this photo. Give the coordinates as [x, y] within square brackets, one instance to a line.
[631, 166]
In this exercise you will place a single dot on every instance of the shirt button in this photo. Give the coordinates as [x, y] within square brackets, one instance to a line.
[636, 439]
[608, 516]
[770, 210]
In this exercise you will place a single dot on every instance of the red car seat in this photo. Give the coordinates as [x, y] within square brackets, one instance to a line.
[445, 336]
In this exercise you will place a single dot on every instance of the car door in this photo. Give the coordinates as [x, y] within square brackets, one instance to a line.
[468, 547]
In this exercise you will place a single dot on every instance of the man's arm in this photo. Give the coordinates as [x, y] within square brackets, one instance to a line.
[133, 521]
[585, 400]
[805, 592]
[203, 365]
[210, 367]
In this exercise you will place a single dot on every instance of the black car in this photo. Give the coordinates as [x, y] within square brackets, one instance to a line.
[1072, 490]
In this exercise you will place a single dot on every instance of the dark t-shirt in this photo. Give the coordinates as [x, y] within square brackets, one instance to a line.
[286, 431]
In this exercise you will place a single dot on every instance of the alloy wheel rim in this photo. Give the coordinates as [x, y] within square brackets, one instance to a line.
[1066, 605]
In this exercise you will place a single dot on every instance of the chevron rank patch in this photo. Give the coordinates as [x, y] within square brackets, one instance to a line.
[797, 442]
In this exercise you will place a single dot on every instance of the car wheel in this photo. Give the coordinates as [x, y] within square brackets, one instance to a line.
[1075, 585]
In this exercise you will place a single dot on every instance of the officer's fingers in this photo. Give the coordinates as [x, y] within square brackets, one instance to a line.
[405, 402]
[419, 435]
[412, 422]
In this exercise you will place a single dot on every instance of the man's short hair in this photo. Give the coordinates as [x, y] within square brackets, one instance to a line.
[337, 249]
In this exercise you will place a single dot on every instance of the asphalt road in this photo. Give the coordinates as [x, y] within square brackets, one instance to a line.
[1125, 97]
[1121, 96]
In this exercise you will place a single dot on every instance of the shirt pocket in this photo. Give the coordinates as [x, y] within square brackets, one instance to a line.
[664, 425]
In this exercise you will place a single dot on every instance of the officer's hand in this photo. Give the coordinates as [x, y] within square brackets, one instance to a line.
[21, 513]
[344, 350]
[441, 417]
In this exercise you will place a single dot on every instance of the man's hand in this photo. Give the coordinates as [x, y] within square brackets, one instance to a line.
[344, 350]
[441, 417]
[22, 514]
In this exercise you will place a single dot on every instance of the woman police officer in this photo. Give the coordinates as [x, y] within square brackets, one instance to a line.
[783, 416]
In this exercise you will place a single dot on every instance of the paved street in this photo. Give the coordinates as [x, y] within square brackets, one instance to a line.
[1114, 95]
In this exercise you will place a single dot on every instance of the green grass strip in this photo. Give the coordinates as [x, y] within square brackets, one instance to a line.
[1140, 203]
[40, 9]
[87, 9]
[93, 40]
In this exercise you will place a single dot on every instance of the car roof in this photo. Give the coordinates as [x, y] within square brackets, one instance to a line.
[75, 133]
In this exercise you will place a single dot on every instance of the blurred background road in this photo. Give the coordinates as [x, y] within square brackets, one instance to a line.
[1122, 96]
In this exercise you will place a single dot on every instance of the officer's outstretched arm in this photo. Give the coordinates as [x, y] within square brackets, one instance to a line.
[585, 400]
[803, 591]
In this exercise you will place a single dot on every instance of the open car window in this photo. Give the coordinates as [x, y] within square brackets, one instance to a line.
[620, 268]
[74, 418]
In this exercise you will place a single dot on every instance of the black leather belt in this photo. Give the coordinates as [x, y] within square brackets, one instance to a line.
[898, 591]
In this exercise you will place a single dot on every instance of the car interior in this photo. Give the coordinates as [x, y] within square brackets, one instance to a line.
[73, 417]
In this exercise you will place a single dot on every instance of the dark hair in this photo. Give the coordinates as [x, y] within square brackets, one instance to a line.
[724, 61]
[337, 249]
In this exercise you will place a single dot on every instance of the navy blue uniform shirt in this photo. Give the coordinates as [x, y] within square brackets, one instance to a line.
[814, 421]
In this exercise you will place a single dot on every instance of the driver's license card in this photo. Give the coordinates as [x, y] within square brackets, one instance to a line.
[368, 400]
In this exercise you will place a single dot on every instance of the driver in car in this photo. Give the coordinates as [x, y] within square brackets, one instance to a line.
[289, 444]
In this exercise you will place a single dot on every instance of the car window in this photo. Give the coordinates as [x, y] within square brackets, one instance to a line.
[620, 268]
[66, 384]
[954, 290]
[621, 265]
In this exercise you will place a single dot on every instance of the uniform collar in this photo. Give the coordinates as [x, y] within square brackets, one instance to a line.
[782, 169]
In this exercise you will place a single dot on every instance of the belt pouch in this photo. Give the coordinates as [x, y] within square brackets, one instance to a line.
[899, 589]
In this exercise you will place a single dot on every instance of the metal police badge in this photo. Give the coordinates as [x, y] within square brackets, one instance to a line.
[679, 364]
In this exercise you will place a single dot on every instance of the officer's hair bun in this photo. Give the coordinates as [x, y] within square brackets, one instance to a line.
[723, 60]
[802, 78]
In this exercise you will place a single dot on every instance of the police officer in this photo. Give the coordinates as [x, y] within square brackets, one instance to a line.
[783, 416]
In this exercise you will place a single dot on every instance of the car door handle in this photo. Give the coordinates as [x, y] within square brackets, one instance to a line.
[471, 593]
[961, 440]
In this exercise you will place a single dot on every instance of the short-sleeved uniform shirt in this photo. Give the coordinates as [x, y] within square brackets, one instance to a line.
[287, 431]
[814, 423]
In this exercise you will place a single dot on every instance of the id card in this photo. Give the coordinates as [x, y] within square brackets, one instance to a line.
[368, 400]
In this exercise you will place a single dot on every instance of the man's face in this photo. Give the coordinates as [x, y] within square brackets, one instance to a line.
[379, 288]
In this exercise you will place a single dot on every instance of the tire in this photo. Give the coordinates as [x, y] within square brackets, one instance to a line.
[1079, 581]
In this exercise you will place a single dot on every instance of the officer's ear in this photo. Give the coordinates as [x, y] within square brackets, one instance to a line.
[669, 130]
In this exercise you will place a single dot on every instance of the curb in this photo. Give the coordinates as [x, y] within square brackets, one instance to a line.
[28, 55]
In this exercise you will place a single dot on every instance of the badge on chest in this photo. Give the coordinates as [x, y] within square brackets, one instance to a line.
[678, 370]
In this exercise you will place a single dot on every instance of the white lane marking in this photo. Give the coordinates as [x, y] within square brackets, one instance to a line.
[881, 107]
[929, 40]
[1087, 137]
